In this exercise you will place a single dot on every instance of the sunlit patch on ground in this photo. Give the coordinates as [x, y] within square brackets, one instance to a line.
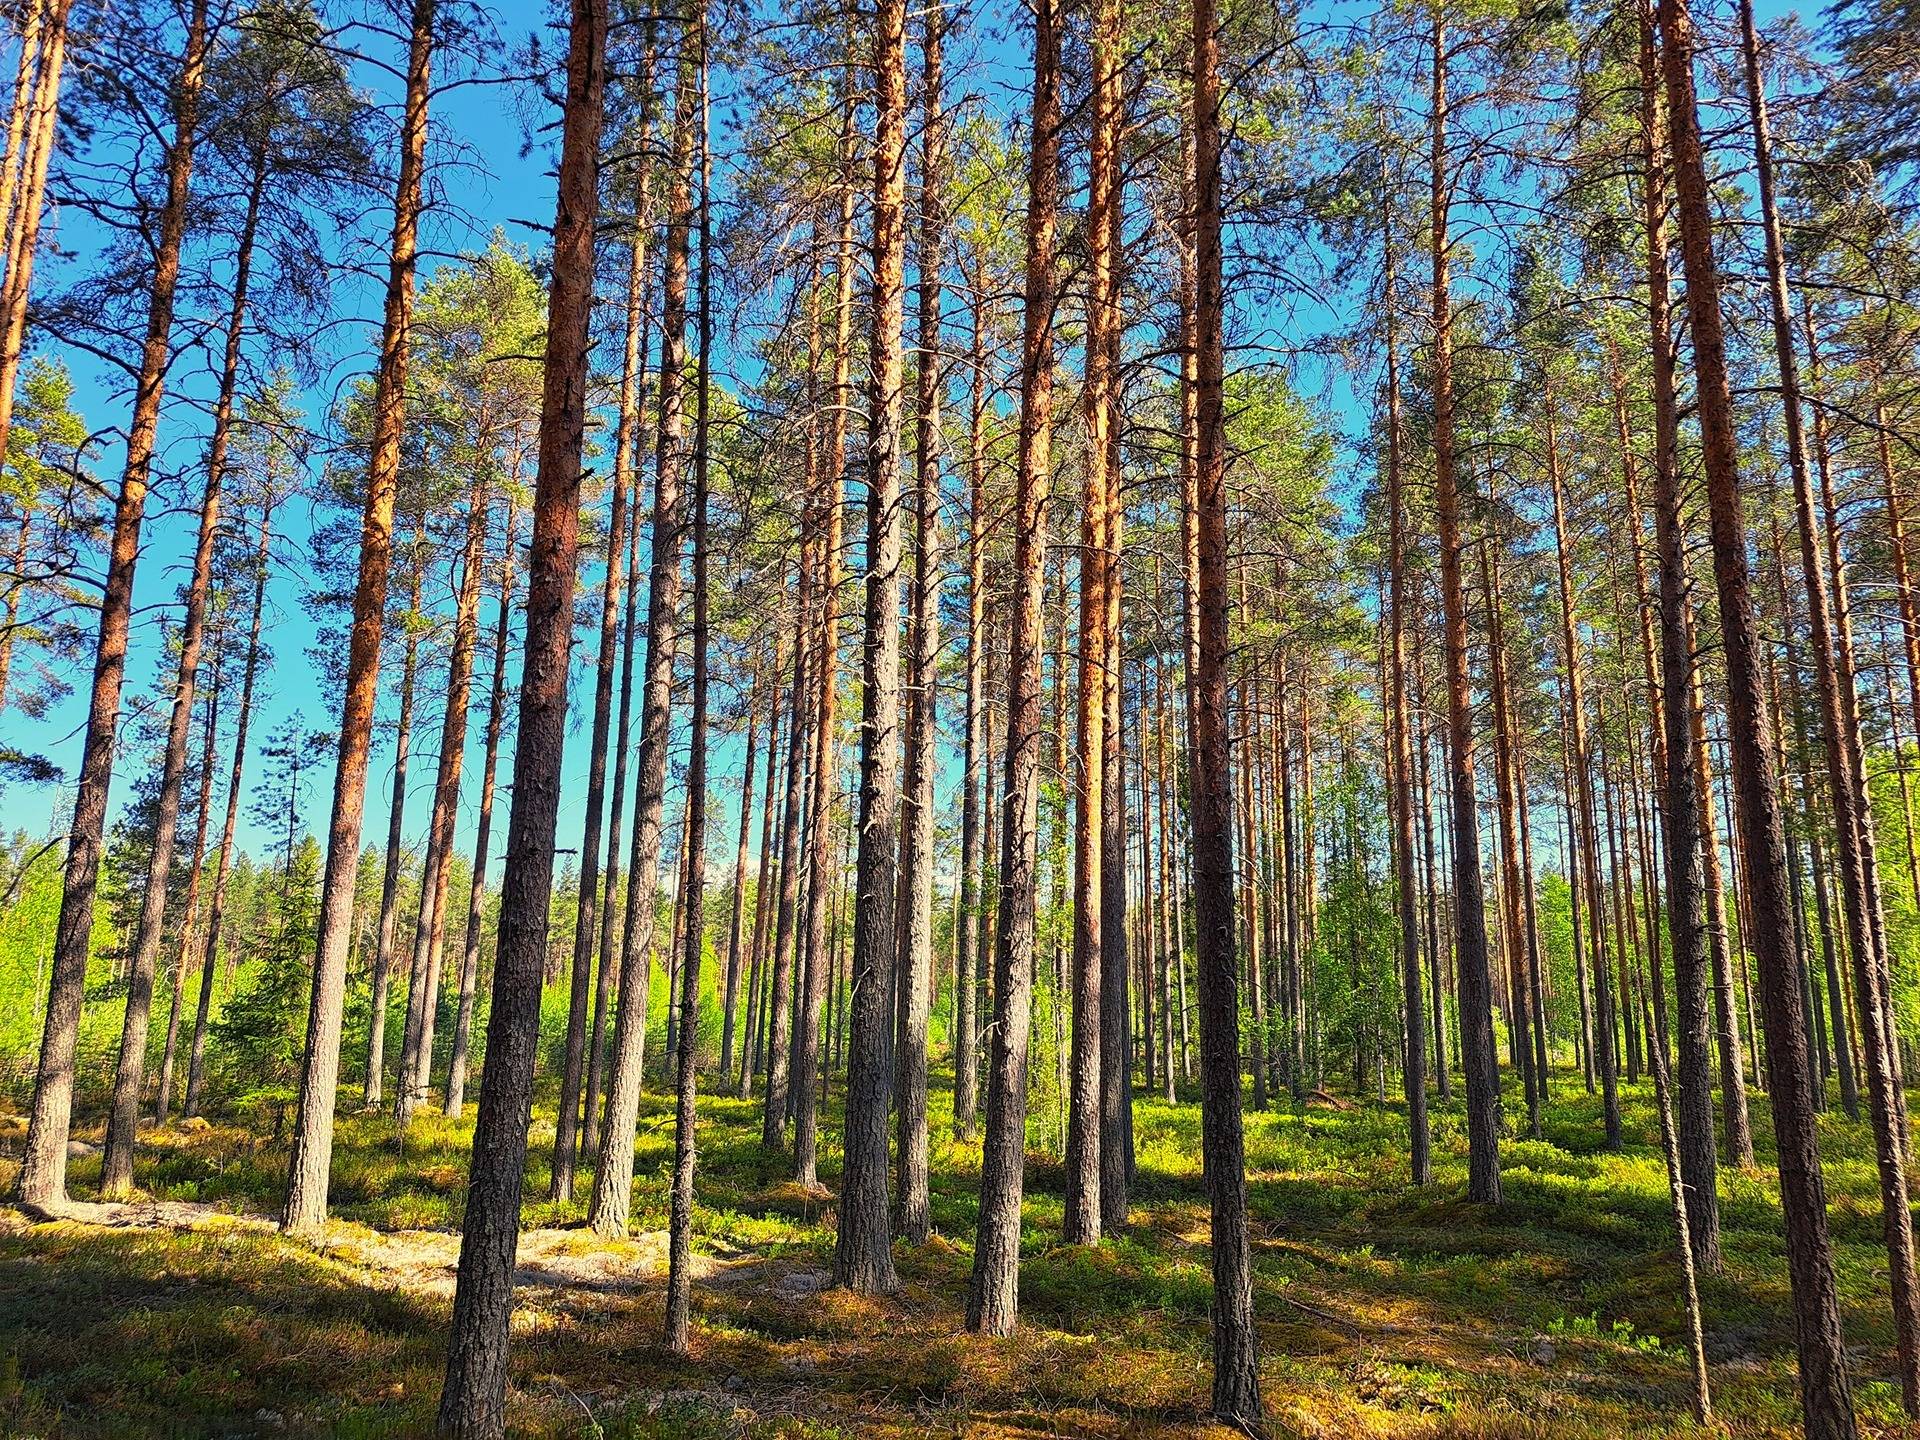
[1383, 1312]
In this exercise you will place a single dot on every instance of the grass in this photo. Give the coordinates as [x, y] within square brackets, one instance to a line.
[1384, 1312]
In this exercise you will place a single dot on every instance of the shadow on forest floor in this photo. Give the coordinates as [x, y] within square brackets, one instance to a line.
[1383, 1312]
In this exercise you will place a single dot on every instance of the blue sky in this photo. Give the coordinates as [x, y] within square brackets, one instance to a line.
[494, 182]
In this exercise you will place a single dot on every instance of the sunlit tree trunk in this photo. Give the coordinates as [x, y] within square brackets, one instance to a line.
[816, 984]
[395, 858]
[43, 1169]
[21, 212]
[1236, 1366]
[429, 944]
[469, 979]
[306, 1205]
[967, 941]
[788, 917]
[863, 1253]
[1475, 998]
[1580, 760]
[915, 965]
[1826, 1395]
[617, 925]
[473, 1399]
[587, 912]
[612, 1195]
[993, 1291]
[1400, 751]
[123, 1121]
[223, 866]
[693, 907]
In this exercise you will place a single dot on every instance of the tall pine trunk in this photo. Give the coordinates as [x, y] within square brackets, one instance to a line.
[915, 974]
[43, 1170]
[1236, 1355]
[1478, 1054]
[1826, 1395]
[473, 1399]
[993, 1289]
[863, 1257]
[306, 1204]
[483, 833]
[613, 1175]
[123, 1120]
[223, 866]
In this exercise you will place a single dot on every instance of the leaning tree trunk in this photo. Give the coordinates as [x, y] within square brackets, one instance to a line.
[473, 1401]
[1236, 1353]
[633, 392]
[1680, 798]
[863, 1255]
[993, 1291]
[124, 1118]
[1824, 1389]
[807, 1060]
[196, 879]
[306, 1205]
[43, 1170]
[587, 909]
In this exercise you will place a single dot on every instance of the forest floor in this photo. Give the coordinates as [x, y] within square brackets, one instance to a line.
[1383, 1312]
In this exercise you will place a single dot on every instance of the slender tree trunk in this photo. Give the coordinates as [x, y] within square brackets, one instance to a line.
[306, 1205]
[1086, 1099]
[1236, 1370]
[394, 860]
[993, 1290]
[687, 1079]
[217, 904]
[617, 928]
[43, 1170]
[786, 914]
[483, 833]
[810, 1061]
[1683, 854]
[863, 1255]
[613, 1175]
[22, 211]
[764, 886]
[1400, 754]
[196, 878]
[587, 910]
[1116, 1090]
[967, 942]
[117, 1164]
[916, 966]
[423, 991]
[1825, 1393]
[1475, 1000]
[1606, 1061]
[736, 938]
[473, 1400]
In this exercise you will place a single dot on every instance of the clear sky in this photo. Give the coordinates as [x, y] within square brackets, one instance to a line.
[490, 178]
